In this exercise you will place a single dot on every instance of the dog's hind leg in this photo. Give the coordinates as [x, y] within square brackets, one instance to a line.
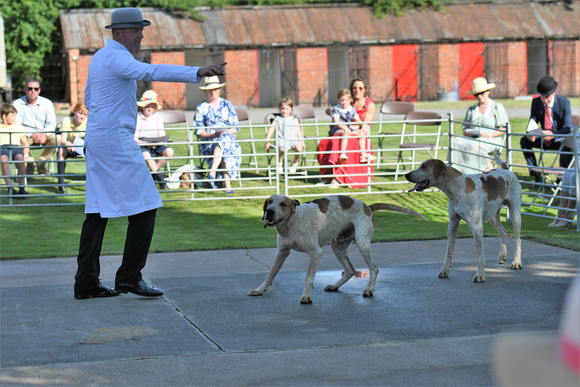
[452, 229]
[276, 265]
[365, 251]
[340, 249]
[495, 221]
[516, 217]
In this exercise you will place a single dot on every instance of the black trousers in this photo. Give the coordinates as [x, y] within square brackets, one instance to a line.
[527, 145]
[137, 243]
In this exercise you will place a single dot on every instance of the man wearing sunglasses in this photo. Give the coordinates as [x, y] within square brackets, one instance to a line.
[36, 115]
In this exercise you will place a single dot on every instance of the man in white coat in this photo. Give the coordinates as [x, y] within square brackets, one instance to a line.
[118, 181]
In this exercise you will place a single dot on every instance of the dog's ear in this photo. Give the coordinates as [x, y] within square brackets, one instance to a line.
[439, 168]
[264, 208]
[295, 203]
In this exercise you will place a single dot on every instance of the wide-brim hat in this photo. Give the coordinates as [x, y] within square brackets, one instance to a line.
[128, 17]
[480, 85]
[148, 98]
[547, 85]
[542, 358]
[210, 83]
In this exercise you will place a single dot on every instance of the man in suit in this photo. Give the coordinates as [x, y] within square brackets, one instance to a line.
[552, 115]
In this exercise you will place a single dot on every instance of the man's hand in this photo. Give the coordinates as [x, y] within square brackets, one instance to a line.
[211, 70]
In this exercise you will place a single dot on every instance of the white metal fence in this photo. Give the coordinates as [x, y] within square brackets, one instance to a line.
[403, 146]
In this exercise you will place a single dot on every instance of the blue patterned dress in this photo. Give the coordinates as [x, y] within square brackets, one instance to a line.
[225, 116]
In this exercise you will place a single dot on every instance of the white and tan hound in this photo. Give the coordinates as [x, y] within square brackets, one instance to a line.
[475, 199]
[307, 227]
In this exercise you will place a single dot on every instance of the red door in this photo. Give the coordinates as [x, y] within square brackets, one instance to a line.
[471, 66]
[405, 72]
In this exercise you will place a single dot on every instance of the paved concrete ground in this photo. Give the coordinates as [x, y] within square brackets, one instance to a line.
[416, 330]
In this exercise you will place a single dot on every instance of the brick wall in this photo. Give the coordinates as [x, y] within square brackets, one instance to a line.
[380, 74]
[312, 73]
[242, 77]
[171, 94]
[517, 68]
[448, 66]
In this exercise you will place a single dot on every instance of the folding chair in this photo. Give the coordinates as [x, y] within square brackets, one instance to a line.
[243, 116]
[418, 118]
[268, 120]
[555, 182]
[391, 108]
[172, 117]
[308, 113]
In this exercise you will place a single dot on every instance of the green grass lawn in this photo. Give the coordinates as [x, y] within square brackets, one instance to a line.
[54, 231]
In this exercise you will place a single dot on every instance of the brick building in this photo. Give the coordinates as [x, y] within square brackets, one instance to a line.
[309, 52]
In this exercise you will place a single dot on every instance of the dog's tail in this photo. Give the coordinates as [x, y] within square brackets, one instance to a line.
[500, 162]
[394, 208]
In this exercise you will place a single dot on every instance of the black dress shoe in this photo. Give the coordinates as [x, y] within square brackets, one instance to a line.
[139, 288]
[98, 291]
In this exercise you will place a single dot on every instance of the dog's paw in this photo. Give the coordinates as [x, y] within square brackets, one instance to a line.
[479, 277]
[516, 265]
[255, 292]
[331, 288]
[368, 293]
[306, 300]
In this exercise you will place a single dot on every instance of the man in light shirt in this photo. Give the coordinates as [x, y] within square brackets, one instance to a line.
[36, 115]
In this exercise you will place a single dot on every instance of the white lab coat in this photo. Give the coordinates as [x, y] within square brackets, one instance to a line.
[119, 182]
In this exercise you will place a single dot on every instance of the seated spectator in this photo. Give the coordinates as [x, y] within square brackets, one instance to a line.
[150, 129]
[73, 129]
[343, 115]
[13, 142]
[469, 154]
[351, 172]
[36, 115]
[288, 135]
[550, 113]
[217, 120]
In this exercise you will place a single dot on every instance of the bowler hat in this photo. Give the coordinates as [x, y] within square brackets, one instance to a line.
[128, 17]
[547, 85]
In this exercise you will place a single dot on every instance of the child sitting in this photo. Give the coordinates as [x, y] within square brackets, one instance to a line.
[288, 135]
[13, 141]
[343, 113]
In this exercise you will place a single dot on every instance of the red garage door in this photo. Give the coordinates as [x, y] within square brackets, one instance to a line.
[405, 72]
[471, 66]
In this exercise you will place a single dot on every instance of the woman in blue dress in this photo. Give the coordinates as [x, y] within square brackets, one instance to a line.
[217, 124]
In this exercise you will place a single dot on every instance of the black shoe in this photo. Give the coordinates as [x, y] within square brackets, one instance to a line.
[98, 291]
[139, 288]
[18, 195]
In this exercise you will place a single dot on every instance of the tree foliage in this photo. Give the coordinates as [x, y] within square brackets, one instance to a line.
[33, 36]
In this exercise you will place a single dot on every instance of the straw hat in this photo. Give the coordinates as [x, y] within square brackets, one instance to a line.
[148, 97]
[479, 85]
[128, 17]
[210, 83]
[543, 358]
[547, 86]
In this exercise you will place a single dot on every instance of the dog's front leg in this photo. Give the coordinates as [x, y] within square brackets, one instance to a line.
[310, 273]
[477, 230]
[281, 256]
[451, 236]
